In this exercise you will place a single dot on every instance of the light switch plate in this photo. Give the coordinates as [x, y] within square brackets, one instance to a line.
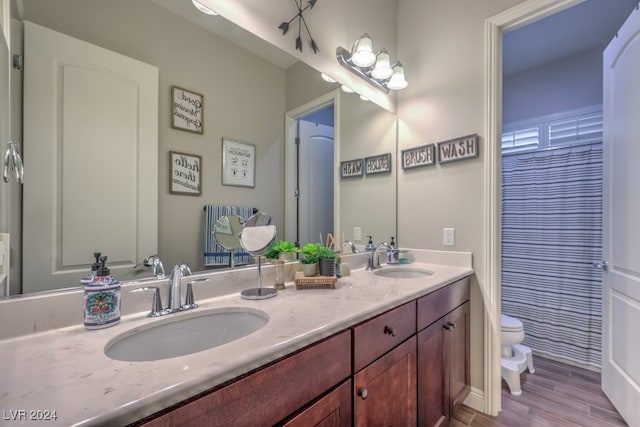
[449, 236]
[357, 234]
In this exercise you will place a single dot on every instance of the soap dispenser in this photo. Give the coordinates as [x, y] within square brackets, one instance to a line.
[94, 268]
[392, 253]
[370, 246]
[101, 297]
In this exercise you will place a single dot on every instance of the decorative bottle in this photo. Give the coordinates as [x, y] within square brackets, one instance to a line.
[101, 298]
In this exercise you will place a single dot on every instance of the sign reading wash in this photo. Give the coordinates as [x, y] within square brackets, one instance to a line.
[462, 148]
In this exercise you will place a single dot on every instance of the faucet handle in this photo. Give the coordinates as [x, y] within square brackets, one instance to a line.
[156, 304]
[189, 300]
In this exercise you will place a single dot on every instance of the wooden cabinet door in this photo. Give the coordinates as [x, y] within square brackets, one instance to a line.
[333, 410]
[271, 394]
[457, 355]
[384, 392]
[433, 404]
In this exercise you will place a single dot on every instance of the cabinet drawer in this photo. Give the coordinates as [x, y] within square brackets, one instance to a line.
[271, 394]
[375, 337]
[435, 305]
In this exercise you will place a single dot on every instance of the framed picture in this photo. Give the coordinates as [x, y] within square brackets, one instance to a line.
[463, 148]
[186, 110]
[238, 163]
[425, 155]
[185, 174]
[377, 164]
[350, 168]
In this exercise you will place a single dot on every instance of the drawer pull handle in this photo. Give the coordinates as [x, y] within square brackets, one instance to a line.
[362, 393]
[390, 331]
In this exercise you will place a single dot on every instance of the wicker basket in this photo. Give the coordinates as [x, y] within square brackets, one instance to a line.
[315, 282]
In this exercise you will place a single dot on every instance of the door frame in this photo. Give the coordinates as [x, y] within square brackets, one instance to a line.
[290, 119]
[511, 19]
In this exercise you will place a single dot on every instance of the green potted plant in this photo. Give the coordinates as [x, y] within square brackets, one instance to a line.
[326, 261]
[309, 265]
[309, 260]
[282, 250]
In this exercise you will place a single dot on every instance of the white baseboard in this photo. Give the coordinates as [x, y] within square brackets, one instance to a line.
[475, 400]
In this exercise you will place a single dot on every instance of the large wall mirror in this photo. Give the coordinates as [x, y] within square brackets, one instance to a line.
[247, 88]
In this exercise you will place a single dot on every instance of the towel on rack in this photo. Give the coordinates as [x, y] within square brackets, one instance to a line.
[214, 254]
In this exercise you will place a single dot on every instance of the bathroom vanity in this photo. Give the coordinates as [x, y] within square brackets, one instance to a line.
[376, 348]
[409, 363]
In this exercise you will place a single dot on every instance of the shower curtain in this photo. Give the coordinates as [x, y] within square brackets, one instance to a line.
[551, 236]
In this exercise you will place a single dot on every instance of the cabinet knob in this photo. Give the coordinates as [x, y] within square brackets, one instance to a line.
[362, 393]
[451, 325]
[390, 331]
[446, 326]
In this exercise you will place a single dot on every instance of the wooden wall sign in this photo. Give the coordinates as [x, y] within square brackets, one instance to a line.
[186, 110]
[377, 164]
[465, 147]
[424, 155]
[350, 168]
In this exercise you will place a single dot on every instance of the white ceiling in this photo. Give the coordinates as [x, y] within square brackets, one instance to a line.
[588, 25]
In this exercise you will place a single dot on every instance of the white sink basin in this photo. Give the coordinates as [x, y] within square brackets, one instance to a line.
[185, 334]
[402, 272]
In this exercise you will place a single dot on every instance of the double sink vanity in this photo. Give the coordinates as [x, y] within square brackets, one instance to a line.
[387, 345]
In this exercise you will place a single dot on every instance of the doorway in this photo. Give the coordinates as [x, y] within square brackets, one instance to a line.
[315, 153]
[311, 156]
[509, 20]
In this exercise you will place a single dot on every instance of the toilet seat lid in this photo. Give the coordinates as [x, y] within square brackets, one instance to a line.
[509, 323]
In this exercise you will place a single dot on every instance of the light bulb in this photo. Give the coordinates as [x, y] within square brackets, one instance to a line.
[204, 9]
[382, 70]
[362, 53]
[397, 80]
[327, 78]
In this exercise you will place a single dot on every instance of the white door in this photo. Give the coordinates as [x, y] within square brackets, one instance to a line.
[91, 159]
[315, 203]
[621, 311]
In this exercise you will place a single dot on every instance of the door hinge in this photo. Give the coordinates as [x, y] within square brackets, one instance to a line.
[297, 140]
[18, 62]
[296, 193]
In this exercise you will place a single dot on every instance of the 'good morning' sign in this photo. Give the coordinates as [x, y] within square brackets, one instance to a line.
[186, 110]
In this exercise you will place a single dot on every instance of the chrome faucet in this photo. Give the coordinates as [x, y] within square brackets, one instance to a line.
[158, 267]
[354, 250]
[374, 257]
[174, 302]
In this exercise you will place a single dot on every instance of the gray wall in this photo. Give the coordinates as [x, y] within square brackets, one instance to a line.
[570, 83]
[441, 44]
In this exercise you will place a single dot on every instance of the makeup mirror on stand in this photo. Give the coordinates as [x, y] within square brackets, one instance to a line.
[227, 233]
[256, 237]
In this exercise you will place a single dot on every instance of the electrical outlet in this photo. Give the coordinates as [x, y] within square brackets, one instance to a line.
[449, 236]
[357, 233]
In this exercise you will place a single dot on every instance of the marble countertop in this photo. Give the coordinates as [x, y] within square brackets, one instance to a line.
[65, 370]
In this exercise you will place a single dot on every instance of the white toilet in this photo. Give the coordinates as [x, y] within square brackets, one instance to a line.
[515, 356]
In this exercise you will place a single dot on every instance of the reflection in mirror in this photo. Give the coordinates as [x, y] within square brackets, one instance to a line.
[227, 234]
[263, 90]
[257, 236]
[4, 186]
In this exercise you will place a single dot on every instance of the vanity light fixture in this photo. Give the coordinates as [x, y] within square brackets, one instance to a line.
[204, 9]
[375, 68]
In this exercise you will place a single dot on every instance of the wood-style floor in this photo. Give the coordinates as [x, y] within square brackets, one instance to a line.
[556, 395]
